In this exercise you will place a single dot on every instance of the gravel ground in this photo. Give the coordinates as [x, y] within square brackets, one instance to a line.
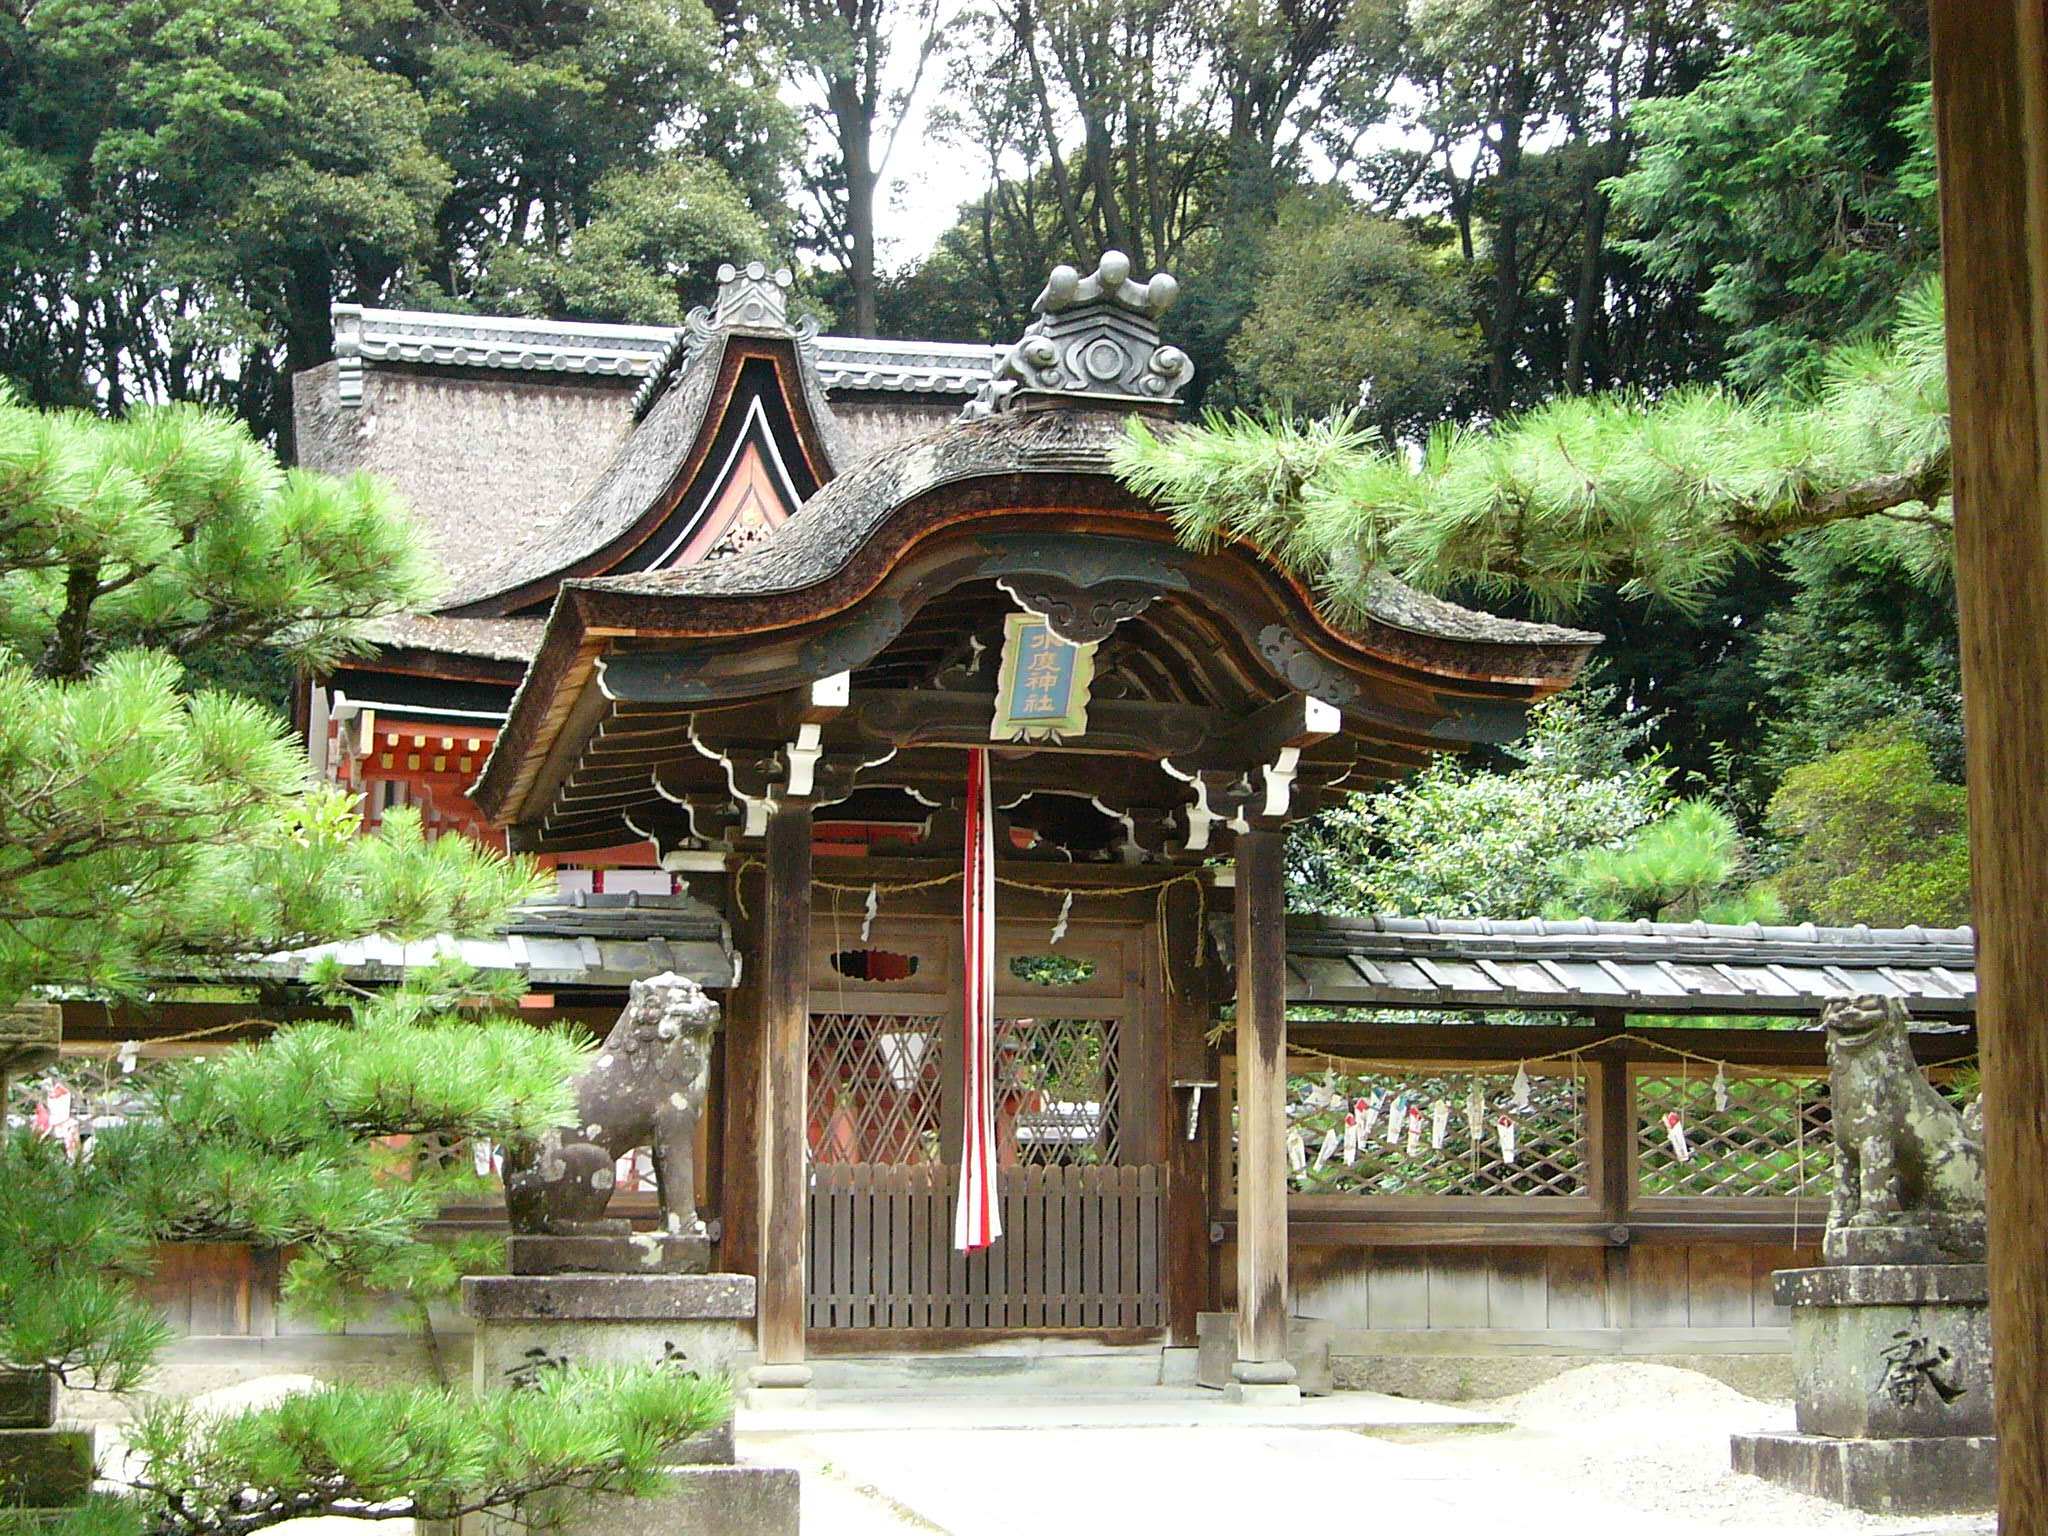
[1616, 1448]
[1655, 1439]
[1621, 1449]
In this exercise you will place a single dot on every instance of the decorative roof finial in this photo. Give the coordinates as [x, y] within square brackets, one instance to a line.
[752, 297]
[1095, 341]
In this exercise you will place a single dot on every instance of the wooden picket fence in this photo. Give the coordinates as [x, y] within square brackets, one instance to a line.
[1080, 1249]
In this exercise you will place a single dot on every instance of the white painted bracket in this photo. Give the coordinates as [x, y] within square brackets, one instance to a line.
[828, 696]
[1280, 781]
[1201, 818]
[756, 807]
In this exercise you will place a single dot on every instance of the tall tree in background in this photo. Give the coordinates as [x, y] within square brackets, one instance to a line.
[847, 52]
[186, 185]
[1167, 129]
[1794, 189]
[1352, 312]
[1526, 111]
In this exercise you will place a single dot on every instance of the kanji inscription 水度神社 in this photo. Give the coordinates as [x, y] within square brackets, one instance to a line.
[1042, 688]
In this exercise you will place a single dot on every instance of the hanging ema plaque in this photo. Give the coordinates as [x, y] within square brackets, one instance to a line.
[1042, 688]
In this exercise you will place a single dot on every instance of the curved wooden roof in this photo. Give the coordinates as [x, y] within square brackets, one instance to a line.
[897, 569]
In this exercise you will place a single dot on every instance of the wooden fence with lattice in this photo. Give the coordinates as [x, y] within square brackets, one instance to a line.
[1573, 1143]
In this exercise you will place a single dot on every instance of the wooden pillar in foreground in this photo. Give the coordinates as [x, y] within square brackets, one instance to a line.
[1991, 123]
[785, 1004]
[1261, 1370]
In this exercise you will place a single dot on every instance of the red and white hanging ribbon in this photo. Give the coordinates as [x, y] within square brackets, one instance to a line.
[977, 1218]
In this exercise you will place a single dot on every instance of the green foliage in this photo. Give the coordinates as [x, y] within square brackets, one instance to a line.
[646, 248]
[147, 831]
[68, 1246]
[1858, 645]
[1658, 498]
[177, 531]
[145, 826]
[186, 185]
[1873, 836]
[1795, 186]
[1353, 313]
[411, 1453]
[1455, 841]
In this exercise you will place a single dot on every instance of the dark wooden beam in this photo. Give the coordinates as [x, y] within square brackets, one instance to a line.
[1520, 1230]
[739, 1122]
[1991, 126]
[1293, 720]
[933, 717]
[1188, 1007]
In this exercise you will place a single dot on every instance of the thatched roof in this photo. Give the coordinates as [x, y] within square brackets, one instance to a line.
[495, 639]
[645, 470]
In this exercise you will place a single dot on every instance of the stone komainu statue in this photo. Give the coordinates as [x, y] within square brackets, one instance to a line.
[1909, 1167]
[645, 1089]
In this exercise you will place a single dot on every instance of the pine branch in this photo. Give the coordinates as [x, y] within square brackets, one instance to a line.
[1656, 497]
[416, 1452]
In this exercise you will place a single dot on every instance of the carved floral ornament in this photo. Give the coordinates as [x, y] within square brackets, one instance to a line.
[1096, 339]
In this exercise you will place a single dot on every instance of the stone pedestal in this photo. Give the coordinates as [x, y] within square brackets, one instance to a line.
[43, 1464]
[624, 1252]
[1892, 1368]
[773, 1387]
[704, 1501]
[1308, 1359]
[526, 1324]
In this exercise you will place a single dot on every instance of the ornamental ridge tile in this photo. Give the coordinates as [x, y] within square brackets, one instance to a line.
[429, 338]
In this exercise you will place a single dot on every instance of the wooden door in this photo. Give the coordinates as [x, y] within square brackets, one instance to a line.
[1080, 1093]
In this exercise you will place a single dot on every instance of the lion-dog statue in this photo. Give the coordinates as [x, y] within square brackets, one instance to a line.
[1909, 1166]
[645, 1089]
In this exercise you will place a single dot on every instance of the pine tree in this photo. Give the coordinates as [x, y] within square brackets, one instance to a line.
[151, 830]
[150, 826]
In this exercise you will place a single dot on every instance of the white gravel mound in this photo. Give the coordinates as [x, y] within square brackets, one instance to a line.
[1636, 1397]
[1644, 1448]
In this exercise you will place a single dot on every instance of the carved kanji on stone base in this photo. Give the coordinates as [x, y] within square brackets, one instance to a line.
[1891, 1338]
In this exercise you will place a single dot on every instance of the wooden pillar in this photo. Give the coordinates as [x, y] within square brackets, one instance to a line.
[739, 1099]
[1261, 1369]
[1189, 1006]
[1614, 1165]
[785, 1070]
[1991, 125]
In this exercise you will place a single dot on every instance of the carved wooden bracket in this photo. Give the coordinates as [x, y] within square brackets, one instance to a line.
[1079, 614]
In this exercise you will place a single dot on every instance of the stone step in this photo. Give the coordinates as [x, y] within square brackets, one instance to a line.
[975, 1374]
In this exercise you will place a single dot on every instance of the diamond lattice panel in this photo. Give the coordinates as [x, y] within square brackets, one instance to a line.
[874, 1089]
[1755, 1135]
[1466, 1156]
[1056, 1090]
